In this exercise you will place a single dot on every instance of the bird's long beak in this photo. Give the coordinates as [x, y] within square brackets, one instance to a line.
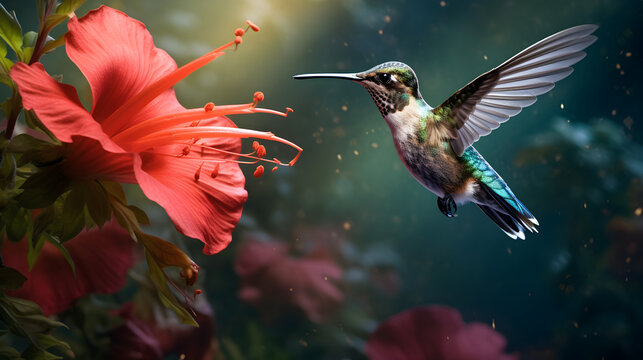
[353, 77]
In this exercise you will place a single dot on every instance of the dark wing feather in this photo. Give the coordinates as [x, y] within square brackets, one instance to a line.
[495, 96]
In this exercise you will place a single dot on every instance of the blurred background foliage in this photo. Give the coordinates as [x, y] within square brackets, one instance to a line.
[574, 158]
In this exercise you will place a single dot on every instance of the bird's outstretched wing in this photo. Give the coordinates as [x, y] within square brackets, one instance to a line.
[495, 96]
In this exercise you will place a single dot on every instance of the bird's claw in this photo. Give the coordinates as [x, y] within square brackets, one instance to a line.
[447, 205]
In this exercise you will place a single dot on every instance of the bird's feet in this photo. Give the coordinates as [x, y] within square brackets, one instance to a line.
[447, 205]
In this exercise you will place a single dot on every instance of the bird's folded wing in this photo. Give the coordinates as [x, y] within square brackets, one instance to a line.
[495, 96]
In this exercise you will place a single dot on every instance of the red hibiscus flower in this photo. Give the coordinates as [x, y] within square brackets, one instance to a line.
[148, 334]
[137, 132]
[101, 257]
[435, 333]
[277, 283]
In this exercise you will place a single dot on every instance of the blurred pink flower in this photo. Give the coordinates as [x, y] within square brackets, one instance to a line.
[435, 333]
[151, 333]
[101, 257]
[276, 282]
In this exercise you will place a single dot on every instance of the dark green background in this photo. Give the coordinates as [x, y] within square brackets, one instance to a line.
[466, 262]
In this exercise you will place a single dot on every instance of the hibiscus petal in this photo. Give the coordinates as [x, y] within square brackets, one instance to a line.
[208, 208]
[117, 56]
[102, 258]
[57, 106]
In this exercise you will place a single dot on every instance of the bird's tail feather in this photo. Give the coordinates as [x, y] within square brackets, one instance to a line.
[508, 213]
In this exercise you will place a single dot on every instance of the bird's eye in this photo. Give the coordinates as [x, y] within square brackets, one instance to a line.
[384, 78]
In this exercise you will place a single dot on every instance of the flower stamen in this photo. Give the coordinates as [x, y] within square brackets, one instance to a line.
[197, 174]
[258, 172]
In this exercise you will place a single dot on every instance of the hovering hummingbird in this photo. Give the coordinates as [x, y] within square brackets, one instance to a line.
[435, 143]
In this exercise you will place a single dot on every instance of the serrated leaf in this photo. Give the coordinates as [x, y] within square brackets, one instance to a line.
[43, 188]
[63, 251]
[11, 278]
[10, 30]
[166, 296]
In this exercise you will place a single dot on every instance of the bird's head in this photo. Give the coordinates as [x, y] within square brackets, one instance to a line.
[392, 85]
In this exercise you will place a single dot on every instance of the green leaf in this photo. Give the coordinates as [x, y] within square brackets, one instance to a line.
[43, 221]
[63, 11]
[28, 41]
[34, 353]
[18, 221]
[7, 171]
[5, 66]
[10, 30]
[48, 341]
[73, 219]
[43, 188]
[29, 38]
[69, 6]
[97, 202]
[52, 44]
[31, 149]
[3, 49]
[33, 250]
[11, 278]
[140, 215]
[166, 296]
[33, 122]
[26, 316]
[63, 251]
[8, 352]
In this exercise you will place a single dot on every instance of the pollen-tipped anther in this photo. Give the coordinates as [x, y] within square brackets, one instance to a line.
[239, 32]
[197, 174]
[261, 151]
[252, 26]
[208, 107]
[259, 171]
[215, 171]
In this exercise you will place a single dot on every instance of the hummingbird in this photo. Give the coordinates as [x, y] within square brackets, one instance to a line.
[435, 144]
